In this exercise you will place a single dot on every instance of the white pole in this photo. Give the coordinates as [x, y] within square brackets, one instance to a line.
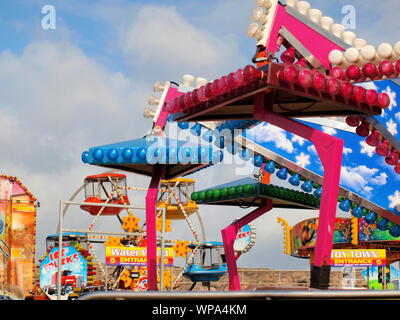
[60, 228]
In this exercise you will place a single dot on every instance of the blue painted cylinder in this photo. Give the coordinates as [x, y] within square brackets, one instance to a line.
[258, 160]
[85, 157]
[307, 186]
[294, 180]
[98, 154]
[370, 217]
[318, 192]
[282, 173]
[270, 167]
[345, 205]
[183, 125]
[127, 154]
[196, 129]
[357, 212]
[112, 154]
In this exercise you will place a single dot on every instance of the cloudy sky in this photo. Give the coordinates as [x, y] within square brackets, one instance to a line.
[86, 83]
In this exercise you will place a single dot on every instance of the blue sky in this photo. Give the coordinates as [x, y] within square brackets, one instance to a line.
[86, 83]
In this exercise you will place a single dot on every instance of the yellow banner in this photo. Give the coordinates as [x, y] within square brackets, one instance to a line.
[358, 257]
[135, 256]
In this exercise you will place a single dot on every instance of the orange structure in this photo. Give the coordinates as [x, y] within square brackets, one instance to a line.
[17, 238]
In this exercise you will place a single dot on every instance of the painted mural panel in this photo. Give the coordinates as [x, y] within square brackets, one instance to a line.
[304, 233]
[17, 238]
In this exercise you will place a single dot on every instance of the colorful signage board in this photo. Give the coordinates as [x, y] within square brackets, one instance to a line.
[17, 237]
[358, 257]
[73, 268]
[135, 256]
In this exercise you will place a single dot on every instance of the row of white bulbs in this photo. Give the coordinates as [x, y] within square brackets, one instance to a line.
[259, 17]
[188, 80]
[364, 54]
[325, 22]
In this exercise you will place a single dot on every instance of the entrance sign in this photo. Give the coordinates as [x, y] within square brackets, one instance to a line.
[135, 256]
[358, 258]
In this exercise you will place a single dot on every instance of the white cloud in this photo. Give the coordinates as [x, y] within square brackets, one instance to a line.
[329, 130]
[159, 38]
[369, 85]
[357, 177]
[394, 200]
[303, 160]
[367, 192]
[391, 126]
[298, 139]
[312, 149]
[379, 180]
[56, 102]
[367, 149]
[267, 132]
[347, 151]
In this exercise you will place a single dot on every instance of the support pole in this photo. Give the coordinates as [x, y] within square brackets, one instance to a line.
[60, 249]
[151, 232]
[162, 249]
[330, 151]
[229, 236]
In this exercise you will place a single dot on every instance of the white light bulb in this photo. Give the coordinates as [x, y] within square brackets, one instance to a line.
[368, 52]
[153, 101]
[303, 7]
[326, 22]
[352, 55]
[200, 82]
[257, 14]
[359, 43]
[158, 87]
[148, 113]
[315, 15]
[260, 33]
[337, 30]
[336, 57]
[187, 80]
[348, 37]
[253, 30]
[396, 48]
[384, 50]
[291, 3]
[264, 3]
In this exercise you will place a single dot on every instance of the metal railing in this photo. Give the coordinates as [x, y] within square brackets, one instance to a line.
[310, 294]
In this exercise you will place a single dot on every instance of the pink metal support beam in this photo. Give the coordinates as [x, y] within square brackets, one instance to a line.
[316, 43]
[330, 151]
[151, 200]
[229, 236]
[151, 231]
[162, 118]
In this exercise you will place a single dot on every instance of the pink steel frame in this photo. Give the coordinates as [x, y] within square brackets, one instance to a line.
[314, 42]
[151, 202]
[229, 236]
[330, 151]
